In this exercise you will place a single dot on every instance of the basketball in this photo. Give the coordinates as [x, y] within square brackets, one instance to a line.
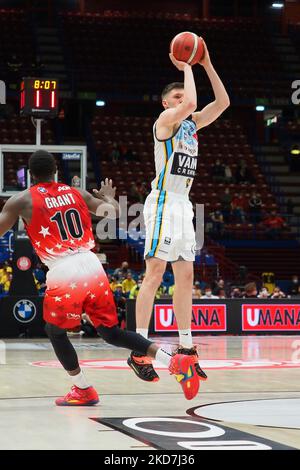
[187, 47]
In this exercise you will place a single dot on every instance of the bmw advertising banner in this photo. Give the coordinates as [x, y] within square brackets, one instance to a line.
[230, 316]
[21, 315]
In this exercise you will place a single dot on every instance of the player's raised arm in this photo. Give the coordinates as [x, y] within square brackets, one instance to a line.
[9, 214]
[188, 105]
[213, 110]
[103, 199]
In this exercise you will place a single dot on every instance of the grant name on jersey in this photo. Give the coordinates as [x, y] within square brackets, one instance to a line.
[184, 165]
[60, 201]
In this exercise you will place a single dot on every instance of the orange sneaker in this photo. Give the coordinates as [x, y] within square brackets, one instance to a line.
[183, 367]
[142, 366]
[79, 397]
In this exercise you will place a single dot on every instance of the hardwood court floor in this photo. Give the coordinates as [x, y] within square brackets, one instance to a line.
[253, 388]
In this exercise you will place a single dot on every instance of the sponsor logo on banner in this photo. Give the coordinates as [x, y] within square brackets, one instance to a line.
[24, 311]
[271, 317]
[204, 318]
[24, 263]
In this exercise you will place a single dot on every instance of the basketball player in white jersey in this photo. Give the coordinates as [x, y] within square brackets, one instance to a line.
[168, 213]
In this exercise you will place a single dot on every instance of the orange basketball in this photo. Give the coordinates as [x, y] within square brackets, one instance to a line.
[187, 47]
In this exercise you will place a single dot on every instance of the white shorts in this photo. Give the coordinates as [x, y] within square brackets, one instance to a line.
[170, 233]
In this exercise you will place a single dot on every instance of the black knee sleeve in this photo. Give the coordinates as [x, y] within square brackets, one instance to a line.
[62, 346]
[124, 339]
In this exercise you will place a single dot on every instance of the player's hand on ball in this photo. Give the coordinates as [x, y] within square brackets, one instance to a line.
[205, 58]
[106, 190]
[178, 64]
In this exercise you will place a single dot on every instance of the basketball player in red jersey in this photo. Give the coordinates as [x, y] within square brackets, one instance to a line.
[58, 224]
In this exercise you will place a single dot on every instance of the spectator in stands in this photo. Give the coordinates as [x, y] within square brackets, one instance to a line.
[208, 293]
[222, 294]
[218, 172]
[236, 293]
[39, 273]
[243, 175]
[120, 301]
[255, 205]
[135, 290]
[197, 294]
[226, 200]
[5, 283]
[275, 225]
[278, 294]
[263, 293]
[5, 268]
[128, 284]
[121, 273]
[228, 175]
[4, 272]
[119, 297]
[115, 153]
[295, 285]
[268, 280]
[238, 206]
[41, 286]
[113, 283]
[170, 290]
[160, 291]
[219, 285]
[217, 221]
[250, 291]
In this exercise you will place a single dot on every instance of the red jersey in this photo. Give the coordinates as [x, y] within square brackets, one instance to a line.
[60, 223]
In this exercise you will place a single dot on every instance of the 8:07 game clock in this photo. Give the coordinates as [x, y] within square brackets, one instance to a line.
[39, 97]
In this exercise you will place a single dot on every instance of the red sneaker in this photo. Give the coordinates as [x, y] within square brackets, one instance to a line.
[193, 352]
[183, 367]
[79, 397]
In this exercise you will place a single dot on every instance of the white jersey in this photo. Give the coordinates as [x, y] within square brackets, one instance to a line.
[176, 159]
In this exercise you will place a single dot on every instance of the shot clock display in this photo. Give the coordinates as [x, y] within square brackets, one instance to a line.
[39, 97]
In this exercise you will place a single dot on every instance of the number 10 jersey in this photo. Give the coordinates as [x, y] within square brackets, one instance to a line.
[60, 224]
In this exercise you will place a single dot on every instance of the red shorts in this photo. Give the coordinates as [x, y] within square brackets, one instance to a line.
[78, 284]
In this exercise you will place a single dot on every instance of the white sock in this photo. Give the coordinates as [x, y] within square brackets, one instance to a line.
[163, 357]
[185, 338]
[143, 332]
[79, 380]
